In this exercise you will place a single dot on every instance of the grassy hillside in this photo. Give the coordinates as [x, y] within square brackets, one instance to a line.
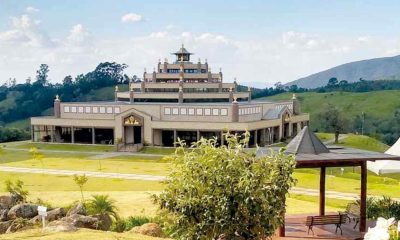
[377, 104]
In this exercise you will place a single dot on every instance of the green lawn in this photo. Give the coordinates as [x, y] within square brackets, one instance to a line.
[65, 147]
[157, 150]
[82, 234]
[325, 136]
[350, 104]
[363, 142]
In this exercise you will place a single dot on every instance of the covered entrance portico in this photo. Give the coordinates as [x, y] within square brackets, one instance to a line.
[133, 133]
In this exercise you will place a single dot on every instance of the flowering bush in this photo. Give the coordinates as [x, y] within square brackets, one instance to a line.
[384, 230]
[225, 192]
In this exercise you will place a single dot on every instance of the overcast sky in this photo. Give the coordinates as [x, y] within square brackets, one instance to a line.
[259, 42]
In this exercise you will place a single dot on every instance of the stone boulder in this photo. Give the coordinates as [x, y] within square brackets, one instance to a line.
[19, 224]
[105, 221]
[3, 215]
[60, 226]
[6, 202]
[52, 215]
[23, 210]
[4, 226]
[77, 209]
[149, 229]
[81, 221]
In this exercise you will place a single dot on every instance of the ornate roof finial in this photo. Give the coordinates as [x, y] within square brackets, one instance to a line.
[249, 89]
[294, 96]
[220, 69]
[230, 89]
[116, 88]
[131, 87]
[235, 99]
[165, 60]
[57, 98]
[180, 89]
[159, 60]
[183, 45]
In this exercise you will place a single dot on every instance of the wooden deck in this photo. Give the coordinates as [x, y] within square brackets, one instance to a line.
[296, 229]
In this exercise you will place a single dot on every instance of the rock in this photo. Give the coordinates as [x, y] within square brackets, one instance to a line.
[81, 221]
[77, 209]
[3, 214]
[6, 202]
[60, 226]
[4, 226]
[23, 210]
[52, 215]
[149, 229]
[105, 221]
[19, 224]
[55, 214]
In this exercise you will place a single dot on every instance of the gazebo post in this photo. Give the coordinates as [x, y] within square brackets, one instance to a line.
[363, 200]
[322, 191]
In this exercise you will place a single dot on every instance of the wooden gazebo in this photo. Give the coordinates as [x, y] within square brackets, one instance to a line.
[310, 152]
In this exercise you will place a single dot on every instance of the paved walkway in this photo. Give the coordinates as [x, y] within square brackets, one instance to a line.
[87, 173]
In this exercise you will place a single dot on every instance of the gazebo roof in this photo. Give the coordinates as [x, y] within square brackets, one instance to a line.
[182, 50]
[310, 152]
[306, 142]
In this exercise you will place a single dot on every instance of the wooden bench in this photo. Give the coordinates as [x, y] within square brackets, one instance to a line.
[337, 220]
[353, 213]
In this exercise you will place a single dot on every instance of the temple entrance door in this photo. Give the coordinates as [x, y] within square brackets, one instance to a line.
[133, 130]
[137, 134]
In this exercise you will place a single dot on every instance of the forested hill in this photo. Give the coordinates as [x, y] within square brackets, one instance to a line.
[371, 69]
[21, 101]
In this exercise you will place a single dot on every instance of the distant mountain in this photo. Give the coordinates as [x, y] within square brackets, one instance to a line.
[372, 69]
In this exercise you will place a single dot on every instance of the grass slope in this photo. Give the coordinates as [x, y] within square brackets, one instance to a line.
[363, 142]
[377, 104]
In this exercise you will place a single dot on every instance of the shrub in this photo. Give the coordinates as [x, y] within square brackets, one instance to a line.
[384, 207]
[135, 221]
[225, 190]
[119, 225]
[16, 188]
[102, 204]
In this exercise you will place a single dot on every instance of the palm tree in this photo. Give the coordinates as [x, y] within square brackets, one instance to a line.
[103, 205]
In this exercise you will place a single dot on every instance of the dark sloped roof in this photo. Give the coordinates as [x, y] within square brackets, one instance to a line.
[306, 142]
[182, 50]
[275, 112]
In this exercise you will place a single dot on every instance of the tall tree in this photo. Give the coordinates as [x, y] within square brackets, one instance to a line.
[332, 120]
[42, 75]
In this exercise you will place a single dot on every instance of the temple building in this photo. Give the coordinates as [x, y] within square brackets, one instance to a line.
[182, 99]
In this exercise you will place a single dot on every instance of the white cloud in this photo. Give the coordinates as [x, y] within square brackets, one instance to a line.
[131, 17]
[288, 56]
[31, 9]
[78, 35]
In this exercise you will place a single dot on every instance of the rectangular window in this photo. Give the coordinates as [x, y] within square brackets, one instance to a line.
[73, 109]
[175, 111]
[207, 111]
[183, 111]
[117, 110]
[199, 111]
[80, 109]
[66, 109]
[88, 110]
[95, 109]
[102, 110]
[109, 110]
[215, 112]
[167, 111]
[191, 111]
[224, 112]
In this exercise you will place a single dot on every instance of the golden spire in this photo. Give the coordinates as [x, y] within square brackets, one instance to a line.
[57, 98]
[235, 99]
[294, 96]
[180, 89]
[116, 88]
[230, 89]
